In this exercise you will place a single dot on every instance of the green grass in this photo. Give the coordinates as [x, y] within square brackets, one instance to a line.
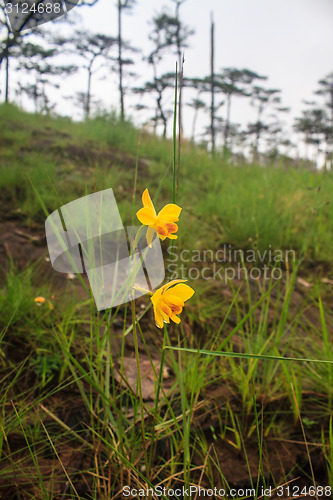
[245, 206]
[73, 420]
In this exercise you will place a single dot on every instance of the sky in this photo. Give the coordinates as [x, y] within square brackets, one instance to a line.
[291, 42]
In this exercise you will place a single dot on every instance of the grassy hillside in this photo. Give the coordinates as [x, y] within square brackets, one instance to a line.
[277, 207]
[244, 397]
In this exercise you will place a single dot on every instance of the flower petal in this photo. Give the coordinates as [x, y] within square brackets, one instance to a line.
[156, 296]
[146, 200]
[170, 212]
[168, 227]
[184, 292]
[172, 299]
[150, 235]
[165, 309]
[177, 309]
[166, 318]
[175, 319]
[168, 301]
[39, 300]
[171, 283]
[158, 318]
[146, 216]
[171, 227]
[161, 230]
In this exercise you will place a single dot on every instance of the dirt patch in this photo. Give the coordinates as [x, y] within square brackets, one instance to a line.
[6, 141]
[48, 131]
[87, 154]
[22, 246]
[90, 155]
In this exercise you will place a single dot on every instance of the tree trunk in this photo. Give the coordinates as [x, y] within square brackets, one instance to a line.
[258, 133]
[88, 92]
[256, 143]
[180, 68]
[178, 40]
[194, 123]
[162, 115]
[156, 120]
[164, 127]
[331, 138]
[212, 88]
[120, 64]
[227, 123]
[306, 142]
[7, 80]
[36, 95]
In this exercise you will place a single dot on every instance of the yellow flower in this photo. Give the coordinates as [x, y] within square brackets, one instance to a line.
[168, 302]
[163, 223]
[39, 301]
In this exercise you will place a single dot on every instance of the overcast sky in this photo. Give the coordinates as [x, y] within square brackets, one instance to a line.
[290, 41]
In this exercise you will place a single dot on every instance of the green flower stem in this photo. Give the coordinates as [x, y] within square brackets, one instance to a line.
[139, 382]
[137, 236]
[143, 290]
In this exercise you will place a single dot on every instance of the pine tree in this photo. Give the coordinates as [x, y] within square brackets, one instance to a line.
[261, 99]
[90, 47]
[233, 82]
[326, 91]
[36, 61]
[121, 6]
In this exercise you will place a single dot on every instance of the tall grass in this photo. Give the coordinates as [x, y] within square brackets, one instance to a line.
[73, 417]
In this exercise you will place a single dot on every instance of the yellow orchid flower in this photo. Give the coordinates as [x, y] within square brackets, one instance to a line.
[163, 223]
[168, 301]
[39, 301]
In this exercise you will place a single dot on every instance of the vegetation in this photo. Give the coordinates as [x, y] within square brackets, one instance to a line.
[43, 57]
[74, 421]
[223, 383]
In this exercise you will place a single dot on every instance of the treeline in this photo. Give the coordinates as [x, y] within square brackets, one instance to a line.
[34, 54]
